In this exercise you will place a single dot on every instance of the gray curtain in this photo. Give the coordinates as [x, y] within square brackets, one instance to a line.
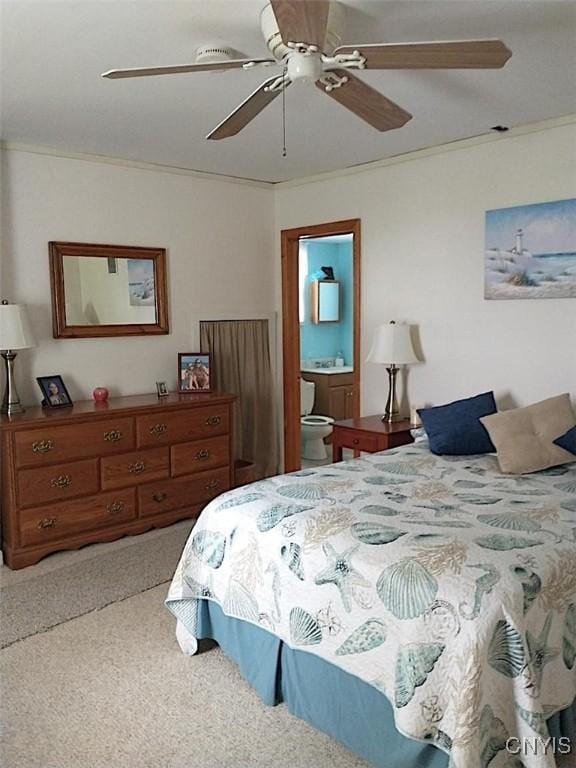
[241, 365]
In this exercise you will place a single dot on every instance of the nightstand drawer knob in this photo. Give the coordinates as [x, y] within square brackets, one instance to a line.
[203, 454]
[159, 497]
[158, 429]
[213, 421]
[137, 468]
[212, 485]
[355, 441]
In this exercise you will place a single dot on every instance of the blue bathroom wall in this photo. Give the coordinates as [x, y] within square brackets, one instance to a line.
[327, 339]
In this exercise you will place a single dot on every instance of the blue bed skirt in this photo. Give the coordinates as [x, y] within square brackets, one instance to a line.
[333, 701]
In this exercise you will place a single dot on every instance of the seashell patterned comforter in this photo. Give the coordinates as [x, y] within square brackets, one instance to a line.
[445, 584]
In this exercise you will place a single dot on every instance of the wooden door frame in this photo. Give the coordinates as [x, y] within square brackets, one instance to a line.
[291, 327]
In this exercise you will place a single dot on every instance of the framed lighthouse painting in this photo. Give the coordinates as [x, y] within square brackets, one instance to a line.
[531, 252]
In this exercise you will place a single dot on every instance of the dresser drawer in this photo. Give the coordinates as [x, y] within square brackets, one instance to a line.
[189, 424]
[173, 494]
[61, 481]
[67, 518]
[199, 455]
[134, 468]
[73, 441]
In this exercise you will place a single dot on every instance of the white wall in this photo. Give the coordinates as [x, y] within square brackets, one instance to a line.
[422, 262]
[219, 238]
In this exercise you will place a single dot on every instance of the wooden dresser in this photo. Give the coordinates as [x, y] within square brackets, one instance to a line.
[99, 471]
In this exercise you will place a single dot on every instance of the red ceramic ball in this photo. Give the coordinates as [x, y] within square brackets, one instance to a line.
[100, 394]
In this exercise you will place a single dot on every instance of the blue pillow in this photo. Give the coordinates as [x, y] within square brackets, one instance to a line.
[455, 429]
[567, 441]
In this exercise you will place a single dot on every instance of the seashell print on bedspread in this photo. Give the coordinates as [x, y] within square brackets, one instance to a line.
[448, 586]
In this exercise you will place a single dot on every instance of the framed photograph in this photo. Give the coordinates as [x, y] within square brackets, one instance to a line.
[194, 372]
[162, 388]
[54, 391]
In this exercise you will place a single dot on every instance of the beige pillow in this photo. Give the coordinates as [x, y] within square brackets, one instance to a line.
[523, 437]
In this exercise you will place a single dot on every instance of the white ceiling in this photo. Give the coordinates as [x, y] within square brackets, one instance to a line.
[53, 52]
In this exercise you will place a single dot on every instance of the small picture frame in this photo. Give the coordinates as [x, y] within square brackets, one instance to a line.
[194, 372]
[54, 391]
[162, 389]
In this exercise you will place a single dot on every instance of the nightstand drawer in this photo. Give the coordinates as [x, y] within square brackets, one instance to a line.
[359, 441]
[135, 468]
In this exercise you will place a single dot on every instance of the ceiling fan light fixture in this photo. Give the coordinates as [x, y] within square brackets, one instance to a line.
[304, 66]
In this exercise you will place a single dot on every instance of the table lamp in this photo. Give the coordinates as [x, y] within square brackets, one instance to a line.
[15, 333]
[392, 347]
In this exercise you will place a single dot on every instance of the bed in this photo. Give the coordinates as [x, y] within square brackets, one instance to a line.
[420, 609]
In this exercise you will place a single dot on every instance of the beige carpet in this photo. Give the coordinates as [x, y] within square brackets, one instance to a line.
[111, 689]
[41, 598]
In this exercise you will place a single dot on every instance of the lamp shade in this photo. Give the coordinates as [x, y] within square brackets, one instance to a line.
[392, 345]
[15, 330]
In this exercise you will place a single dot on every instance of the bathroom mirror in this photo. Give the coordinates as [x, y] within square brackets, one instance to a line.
[325, 301]
[107, 290]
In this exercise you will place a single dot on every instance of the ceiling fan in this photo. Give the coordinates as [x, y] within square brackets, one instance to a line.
[304, 38]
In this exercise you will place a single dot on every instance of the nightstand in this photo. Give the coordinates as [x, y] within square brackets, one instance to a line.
[369, 434]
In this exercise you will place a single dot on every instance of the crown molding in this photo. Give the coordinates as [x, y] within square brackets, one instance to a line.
[439, 149]
[40, 149]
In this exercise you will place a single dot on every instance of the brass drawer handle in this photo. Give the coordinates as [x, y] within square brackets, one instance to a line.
[113, 436]
[159, 497]
[47, 522]
[213, 421]
[355, 441]
[42, 446]
[203, 454]
[212, 484]
[158, 429]
[62, 481]
[137, 468]
[115, 507]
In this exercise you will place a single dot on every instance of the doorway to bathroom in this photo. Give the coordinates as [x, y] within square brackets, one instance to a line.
[321, 336]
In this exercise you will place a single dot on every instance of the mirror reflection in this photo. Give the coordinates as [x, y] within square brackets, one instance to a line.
[109, 291]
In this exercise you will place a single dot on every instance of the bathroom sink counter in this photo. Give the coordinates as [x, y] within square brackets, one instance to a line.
[334, 369]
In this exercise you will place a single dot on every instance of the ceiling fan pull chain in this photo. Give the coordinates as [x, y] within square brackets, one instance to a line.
[284, 76]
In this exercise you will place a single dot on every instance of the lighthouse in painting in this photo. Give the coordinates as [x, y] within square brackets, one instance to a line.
[519, 247]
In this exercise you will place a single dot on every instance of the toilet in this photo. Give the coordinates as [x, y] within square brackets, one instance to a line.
[313, 428]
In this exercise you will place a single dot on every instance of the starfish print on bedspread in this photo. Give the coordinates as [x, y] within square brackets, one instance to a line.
[340, 572]
[540, 654]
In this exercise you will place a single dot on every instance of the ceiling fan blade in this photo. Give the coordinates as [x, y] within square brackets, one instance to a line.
[176, 69]
[367, 103]
[302, 21]
[245, 112]
[458, 54]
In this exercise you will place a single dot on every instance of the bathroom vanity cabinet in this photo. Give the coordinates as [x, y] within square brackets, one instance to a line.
[334, 395]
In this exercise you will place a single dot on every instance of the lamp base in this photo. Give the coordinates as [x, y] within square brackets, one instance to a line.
[11, 401]
[392, 412]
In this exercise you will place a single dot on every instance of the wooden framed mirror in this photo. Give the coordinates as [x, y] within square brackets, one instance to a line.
[107, 290]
